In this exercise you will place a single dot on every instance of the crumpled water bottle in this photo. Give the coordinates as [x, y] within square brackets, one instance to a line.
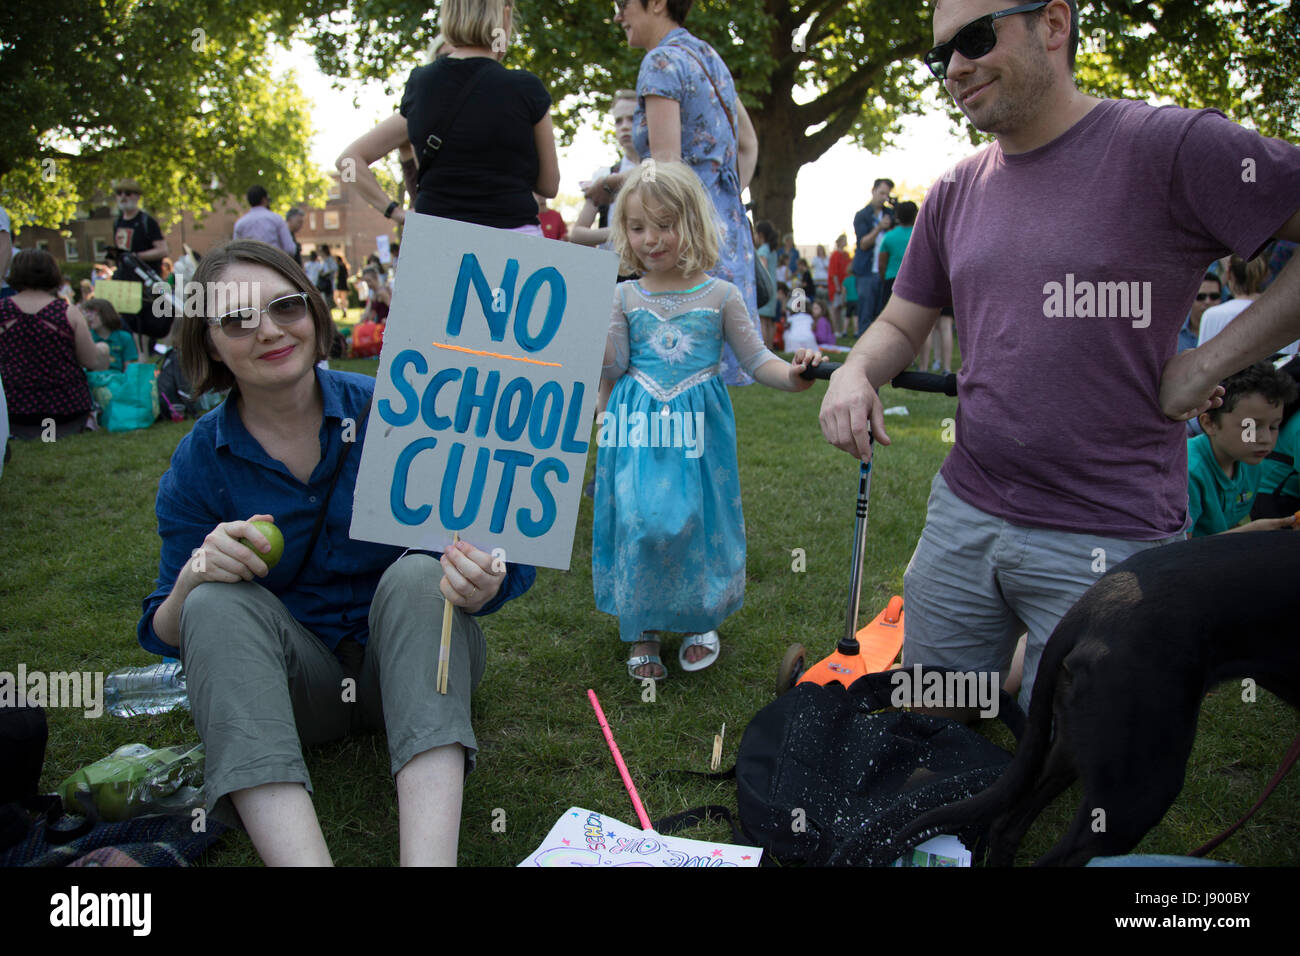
[155, 689]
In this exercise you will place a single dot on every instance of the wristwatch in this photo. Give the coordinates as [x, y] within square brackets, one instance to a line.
[388, 213]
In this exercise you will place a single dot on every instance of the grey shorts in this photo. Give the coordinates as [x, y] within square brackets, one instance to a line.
[262, 686]
[976, 583]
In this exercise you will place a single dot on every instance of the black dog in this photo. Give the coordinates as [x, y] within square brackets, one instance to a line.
[1121, 680]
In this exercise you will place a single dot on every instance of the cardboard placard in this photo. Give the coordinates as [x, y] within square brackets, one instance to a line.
[122, 294]
[486, 392]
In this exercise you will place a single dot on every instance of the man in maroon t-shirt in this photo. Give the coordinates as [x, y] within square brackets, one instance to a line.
[1070, 250]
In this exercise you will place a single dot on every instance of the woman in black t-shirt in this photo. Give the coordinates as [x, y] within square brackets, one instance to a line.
[497, 143]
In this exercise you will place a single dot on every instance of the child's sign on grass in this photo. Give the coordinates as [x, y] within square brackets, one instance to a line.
[486, 392]
[586, 838]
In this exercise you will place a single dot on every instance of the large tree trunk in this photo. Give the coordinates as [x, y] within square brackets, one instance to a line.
[772, 189]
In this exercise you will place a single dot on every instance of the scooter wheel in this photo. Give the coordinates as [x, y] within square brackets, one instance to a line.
[791, 669]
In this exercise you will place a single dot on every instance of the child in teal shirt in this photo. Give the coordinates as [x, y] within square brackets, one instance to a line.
[1223, 464]
[892, 247]
[106, 326]
[895, 242]
[1279, 483]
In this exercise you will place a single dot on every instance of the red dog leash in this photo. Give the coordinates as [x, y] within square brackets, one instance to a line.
[1287, 763]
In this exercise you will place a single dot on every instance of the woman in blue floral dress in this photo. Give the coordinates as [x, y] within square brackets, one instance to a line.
[688, 110]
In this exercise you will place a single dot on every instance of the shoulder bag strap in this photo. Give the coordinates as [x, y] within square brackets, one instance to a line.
[325, 504]
[429, 150]
[735, 129]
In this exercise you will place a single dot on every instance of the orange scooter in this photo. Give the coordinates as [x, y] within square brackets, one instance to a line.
[876, 646]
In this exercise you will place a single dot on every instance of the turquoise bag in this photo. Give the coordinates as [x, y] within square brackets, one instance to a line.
[101, 387]
[134, 402]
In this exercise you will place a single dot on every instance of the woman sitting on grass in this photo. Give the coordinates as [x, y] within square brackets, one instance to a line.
[44, 344]
[279, 654]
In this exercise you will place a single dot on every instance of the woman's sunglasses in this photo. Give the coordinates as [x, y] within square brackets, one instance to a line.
[286, 310]
[974, 40]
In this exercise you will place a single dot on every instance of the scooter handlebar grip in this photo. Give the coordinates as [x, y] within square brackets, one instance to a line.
[926, 382]
[820, 371]
[915, 381]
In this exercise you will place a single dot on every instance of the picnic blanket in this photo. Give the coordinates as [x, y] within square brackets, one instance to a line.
[159, 840]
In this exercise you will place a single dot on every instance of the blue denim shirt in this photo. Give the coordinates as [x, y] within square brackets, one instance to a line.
[863, 223]
[219, 472]
[1186, 337]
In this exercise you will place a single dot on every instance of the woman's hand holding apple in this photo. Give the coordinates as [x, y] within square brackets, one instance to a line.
[226, 556]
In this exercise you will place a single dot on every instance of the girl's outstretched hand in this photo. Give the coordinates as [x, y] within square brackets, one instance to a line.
[468, 578]
[803, 358]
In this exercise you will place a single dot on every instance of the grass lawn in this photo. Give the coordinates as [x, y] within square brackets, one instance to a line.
[79, 551]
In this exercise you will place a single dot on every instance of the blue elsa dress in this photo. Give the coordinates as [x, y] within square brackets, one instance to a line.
[668, 532]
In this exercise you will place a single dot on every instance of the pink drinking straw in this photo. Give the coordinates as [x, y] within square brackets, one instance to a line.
[618, 759]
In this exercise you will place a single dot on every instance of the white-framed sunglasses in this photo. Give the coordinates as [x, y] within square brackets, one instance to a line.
[283, 310]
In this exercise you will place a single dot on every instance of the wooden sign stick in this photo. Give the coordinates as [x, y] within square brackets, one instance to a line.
[444, 651]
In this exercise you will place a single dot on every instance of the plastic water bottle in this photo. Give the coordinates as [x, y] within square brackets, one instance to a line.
[156, 689]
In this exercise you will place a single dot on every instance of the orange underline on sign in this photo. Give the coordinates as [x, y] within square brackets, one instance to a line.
[513, 358]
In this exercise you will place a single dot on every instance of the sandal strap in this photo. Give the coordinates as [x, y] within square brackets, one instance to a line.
[709, 640]
[634, 662]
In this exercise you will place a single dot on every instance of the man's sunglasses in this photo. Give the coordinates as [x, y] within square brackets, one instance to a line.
[974, 40]
[1208, 296]
[286, 310]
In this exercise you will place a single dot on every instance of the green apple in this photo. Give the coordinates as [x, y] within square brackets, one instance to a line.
[113, 800]
[272, 533]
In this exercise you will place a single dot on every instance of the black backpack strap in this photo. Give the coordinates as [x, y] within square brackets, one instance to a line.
[67, 832]
[430, 148]
[325, 504]
[695, 816]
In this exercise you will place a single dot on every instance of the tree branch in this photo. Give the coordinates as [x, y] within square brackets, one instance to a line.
[853, 90]
[819, 142]
[823, 11]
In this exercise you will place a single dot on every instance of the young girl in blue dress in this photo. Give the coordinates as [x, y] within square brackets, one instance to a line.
[669, 534]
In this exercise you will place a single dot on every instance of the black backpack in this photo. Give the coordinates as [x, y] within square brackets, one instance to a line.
[825, 777]
[23, 735]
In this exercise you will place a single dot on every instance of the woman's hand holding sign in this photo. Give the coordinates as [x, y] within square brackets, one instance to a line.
[468, 578]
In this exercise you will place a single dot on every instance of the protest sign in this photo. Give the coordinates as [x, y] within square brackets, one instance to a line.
[122, 294]
[383, 250]
[486, 392]
[586, 838]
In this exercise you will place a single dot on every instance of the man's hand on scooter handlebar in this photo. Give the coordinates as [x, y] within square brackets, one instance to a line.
[852, 415]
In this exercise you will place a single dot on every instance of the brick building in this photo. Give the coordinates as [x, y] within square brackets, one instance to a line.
[346, 223]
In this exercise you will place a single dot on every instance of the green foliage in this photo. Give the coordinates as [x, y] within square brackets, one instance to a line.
[179, 97]
[815, 72]
[125, 87]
